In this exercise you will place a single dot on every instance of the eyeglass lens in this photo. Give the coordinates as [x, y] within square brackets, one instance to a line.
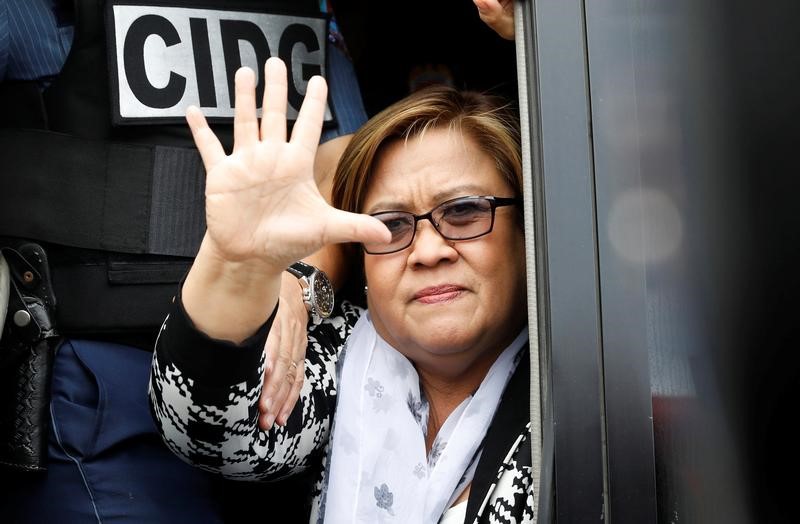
[459, 219]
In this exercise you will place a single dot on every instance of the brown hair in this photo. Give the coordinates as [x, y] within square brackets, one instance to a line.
[487, 119]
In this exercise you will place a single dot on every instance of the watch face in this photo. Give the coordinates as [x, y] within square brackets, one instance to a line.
[323, 295]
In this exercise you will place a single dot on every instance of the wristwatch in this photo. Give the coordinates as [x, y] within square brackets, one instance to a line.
[317, 288]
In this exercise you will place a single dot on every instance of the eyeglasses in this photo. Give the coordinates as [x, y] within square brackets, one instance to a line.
[462, 218]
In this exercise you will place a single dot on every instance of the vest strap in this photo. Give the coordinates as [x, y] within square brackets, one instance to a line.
[90, 194]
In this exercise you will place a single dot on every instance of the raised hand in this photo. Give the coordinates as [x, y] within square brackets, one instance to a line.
[263, 208]
[499, 15]
[261, 200]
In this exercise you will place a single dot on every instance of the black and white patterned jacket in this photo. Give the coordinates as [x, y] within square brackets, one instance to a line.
[204, 396]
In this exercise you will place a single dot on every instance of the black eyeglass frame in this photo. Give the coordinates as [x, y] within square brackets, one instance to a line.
[494, 202]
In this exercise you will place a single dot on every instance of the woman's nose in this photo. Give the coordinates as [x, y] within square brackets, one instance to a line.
[429, 246]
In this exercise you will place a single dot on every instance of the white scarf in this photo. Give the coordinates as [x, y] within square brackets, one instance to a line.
[379, 471]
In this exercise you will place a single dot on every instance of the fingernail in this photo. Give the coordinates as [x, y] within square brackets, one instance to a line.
[270, 420]
[284, 418]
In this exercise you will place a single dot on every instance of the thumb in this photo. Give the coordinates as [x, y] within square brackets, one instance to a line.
[341, 226]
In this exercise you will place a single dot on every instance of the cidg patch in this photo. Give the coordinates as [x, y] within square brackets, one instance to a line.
[164, 58]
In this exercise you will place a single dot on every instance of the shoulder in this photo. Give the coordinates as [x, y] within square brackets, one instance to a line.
[326, 341]
[37, 38]
[337, 327]
[510, 498]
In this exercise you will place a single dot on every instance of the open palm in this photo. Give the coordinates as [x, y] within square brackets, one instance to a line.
[262, 201]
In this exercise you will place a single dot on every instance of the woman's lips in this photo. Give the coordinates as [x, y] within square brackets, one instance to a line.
[438, 294]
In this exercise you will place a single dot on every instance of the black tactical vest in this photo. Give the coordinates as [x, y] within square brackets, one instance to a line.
[100, 168]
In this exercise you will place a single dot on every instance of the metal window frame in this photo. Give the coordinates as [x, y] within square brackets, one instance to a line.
[591, 388]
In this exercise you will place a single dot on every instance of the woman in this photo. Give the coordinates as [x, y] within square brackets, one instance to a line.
[430, 386]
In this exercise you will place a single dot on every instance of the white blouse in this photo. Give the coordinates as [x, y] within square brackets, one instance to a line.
[455, 515]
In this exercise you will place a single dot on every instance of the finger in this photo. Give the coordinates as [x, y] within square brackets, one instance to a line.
[293, 395]
[273, 107]
[265, 404]
[308, 127]
[485, 6]
[287, 383]
[341, 226]
[297, 342]
[208, 145]
[276, 387]
[245, 122]
[498, 15]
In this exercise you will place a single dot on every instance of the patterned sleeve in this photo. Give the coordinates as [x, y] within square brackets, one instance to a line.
[204, 398]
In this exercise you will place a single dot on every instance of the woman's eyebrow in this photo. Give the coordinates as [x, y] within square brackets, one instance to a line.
[459, 191]
[438, 198]
[386, 205]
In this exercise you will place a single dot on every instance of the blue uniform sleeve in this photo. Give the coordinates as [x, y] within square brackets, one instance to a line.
[4, 40]
[35, 38]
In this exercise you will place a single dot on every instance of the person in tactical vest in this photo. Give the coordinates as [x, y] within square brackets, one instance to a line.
[101, 211]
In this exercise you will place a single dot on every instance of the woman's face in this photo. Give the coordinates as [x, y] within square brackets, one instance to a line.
[445, 304]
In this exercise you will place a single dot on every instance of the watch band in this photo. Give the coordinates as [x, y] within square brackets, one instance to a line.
[301, 269]
[317, 288]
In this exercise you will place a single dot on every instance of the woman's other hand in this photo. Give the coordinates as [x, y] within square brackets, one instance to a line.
[262, 202]
[499, 15]
[285, 355]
